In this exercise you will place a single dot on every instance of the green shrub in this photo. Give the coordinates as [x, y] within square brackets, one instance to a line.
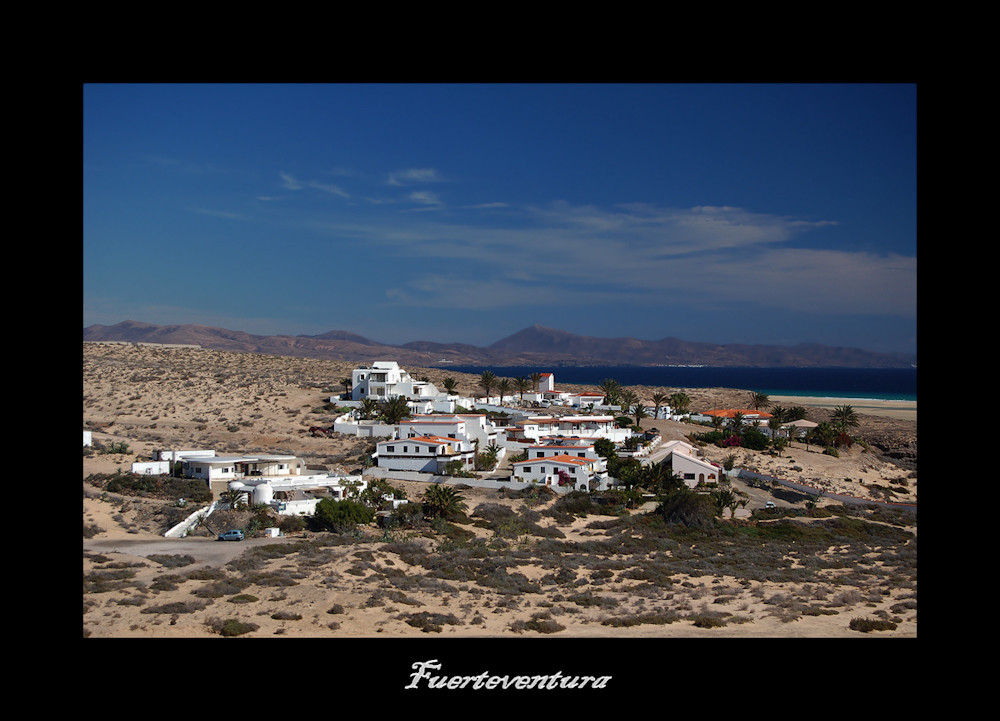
[339, 516]
[685, 508]
[871, 624]
[233, 627]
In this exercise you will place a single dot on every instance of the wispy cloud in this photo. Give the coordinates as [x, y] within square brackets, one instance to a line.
[566, 255]
[289, 182]
[413, 175]
[219, 214]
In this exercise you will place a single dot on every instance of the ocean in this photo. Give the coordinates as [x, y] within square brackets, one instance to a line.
[860, 383]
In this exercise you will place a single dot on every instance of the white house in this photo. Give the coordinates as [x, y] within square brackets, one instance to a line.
[385, 379]
[151, 468]
[582, 400]
[686, 464]
[574, 447]
[471, 426]
[533, 428]
[426, 454]
[231, 468]
[561, 470]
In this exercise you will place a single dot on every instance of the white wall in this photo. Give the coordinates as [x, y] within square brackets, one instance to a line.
[151, 468]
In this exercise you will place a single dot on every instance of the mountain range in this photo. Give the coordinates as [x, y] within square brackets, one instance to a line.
[535, 345]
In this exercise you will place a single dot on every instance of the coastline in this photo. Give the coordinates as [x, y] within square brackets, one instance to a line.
[902, 410]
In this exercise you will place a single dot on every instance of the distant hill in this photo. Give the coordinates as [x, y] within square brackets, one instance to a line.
[536, 345]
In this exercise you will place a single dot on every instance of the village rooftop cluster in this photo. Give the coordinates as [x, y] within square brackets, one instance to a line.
[440, 436]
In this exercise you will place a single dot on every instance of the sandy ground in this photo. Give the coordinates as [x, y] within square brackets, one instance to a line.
[162, 398]
[900, 410]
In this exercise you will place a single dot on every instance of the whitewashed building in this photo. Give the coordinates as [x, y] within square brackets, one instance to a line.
[425, 454]
[684, 461]
[573, 447]
[231, 468]
[586, 426]
[385, 379]
[559, 470]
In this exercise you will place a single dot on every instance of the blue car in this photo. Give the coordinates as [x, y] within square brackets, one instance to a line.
[234, 535]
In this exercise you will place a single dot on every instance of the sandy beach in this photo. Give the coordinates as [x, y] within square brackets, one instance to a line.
[514, 567]
[903, 410]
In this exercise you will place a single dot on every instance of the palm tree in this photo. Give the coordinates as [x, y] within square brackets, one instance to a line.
[611, 390]
[346, 382]
[660, 478]
[759, 400]
[394, 409]
[680, 401]
[369, 408]
[488, 458]
[659, 399]
[521, 384]
[536, 378]
[503, 385]
[844, 418]
[824, 433]
[443, 501]
[450, 384]
[638, 410]
[737, 423]
[487, 381]
[778, 417]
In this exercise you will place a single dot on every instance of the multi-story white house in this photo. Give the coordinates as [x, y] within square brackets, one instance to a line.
[586, 426]
[471, 426]
[574, 447]
[559, 470]
[426, 454]
[231, 468]
[385, 379]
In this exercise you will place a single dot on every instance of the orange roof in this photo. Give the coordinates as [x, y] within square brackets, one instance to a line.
[730, 412]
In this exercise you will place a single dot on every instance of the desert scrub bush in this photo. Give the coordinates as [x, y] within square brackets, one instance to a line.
[90, 530]
[707, 620]
[231, 627]
[167, 583]
[220, 588]
[175, 607]
[431, 622]
[640, 619]
[586, 599]
[694, 510]
[541, 622]
[243, 598]
[286, 616]
[171, 561]
[574, 503]
[866, 625]
[105, 581]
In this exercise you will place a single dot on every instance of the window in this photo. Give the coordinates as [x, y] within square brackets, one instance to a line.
[390, 449]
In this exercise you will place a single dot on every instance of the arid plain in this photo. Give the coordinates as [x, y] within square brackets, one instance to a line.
[518, 565]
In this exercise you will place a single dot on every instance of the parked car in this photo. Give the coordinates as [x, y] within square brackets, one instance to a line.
[770, 504]
[233, 535]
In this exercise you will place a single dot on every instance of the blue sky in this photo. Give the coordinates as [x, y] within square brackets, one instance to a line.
[724, 213]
